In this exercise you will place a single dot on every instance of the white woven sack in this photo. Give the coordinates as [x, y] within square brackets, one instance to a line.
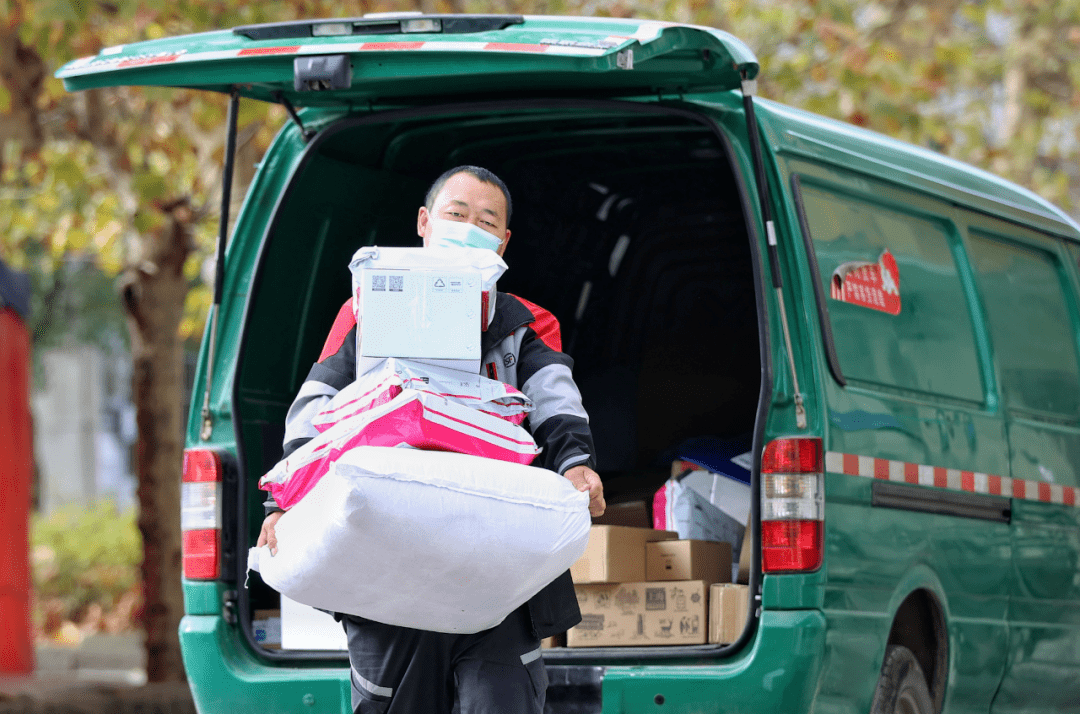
[430, 540]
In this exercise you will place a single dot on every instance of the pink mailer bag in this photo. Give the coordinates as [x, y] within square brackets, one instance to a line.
[380, 385]
[414, 419]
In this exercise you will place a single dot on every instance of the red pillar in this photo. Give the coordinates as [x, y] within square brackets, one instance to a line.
[16, 474]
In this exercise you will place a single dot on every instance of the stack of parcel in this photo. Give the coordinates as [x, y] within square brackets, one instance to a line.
[415, 504]
[676, 583]
[642, 586]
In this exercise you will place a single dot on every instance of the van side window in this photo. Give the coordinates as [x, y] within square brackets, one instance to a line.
[1032, 332]
[874, 345]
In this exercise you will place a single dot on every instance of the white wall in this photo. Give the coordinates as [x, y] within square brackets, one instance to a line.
[83, 428]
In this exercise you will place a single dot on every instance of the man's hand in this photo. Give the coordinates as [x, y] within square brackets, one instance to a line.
[585, 479]
[267, 535]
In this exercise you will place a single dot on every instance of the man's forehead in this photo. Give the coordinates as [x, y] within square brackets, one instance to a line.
[464, 189]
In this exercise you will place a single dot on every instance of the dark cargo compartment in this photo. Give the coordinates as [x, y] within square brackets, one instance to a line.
[627, 224]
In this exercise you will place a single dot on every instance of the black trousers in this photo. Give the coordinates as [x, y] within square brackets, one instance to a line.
[397, 670]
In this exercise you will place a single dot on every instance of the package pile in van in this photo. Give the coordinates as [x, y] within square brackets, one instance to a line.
[642, 586]
[708, 497]
[378, 410]
[480, 538]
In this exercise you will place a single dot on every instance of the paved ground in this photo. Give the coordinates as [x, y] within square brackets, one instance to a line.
[105, 674]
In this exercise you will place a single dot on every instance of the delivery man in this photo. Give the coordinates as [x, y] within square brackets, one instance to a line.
[397, 669]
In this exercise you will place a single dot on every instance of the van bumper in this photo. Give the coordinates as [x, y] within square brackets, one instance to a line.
[226, 678]
[777, 672]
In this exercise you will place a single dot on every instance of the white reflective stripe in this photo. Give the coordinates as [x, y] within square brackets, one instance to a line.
[572, 461]
[371, 687]
[530, 656]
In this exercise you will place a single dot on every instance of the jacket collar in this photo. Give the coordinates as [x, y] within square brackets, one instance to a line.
[510, 314]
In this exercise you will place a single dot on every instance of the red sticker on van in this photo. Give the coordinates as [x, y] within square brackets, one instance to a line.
[872, 285]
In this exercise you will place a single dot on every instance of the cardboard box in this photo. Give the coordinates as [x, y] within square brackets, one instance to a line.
[744, 556]
[558, 640]
[695, 518]
[634, 514]
[421, 314]
[266, 624]
[727, 612]
[616, 554]
[643, 613]
[688, 560]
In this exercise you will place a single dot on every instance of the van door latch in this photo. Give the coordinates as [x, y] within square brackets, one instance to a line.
[625, 59]
[322, 72]
[228, 606]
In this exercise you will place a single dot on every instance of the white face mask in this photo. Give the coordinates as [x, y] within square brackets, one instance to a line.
[458, 234]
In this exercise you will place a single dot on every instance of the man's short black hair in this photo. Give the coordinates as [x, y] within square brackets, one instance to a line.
[477, 172]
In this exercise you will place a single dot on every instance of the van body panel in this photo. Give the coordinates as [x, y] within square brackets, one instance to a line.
[1044, 638]
[775, 673]
[1029, 302]
[539, 54]
[793, 591]
[801, 134]
[928, 436]
[225, 677]
[202, 597]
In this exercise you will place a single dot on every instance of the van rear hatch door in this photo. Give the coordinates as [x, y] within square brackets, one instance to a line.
[406, 59]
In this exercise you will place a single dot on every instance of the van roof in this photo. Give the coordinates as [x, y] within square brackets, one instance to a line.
[802, 134]
[407, 57]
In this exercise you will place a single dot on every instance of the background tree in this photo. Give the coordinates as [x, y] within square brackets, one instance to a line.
[123, 182]
[126, 181]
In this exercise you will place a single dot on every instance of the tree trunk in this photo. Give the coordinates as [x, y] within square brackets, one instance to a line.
[22, 74]
[153, 292]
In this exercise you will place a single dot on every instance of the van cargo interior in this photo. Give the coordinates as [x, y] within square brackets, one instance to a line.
[627, 225]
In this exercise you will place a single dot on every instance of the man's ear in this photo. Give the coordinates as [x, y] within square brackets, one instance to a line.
[505, 242]
[423, 222]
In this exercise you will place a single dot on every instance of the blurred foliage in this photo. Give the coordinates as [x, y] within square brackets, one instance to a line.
[993, 83]
[85, 562]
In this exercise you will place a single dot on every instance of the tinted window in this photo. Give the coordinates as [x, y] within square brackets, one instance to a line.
[1031, 329]
[928, 345]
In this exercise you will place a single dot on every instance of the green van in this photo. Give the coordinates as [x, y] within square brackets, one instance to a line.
[899, 333]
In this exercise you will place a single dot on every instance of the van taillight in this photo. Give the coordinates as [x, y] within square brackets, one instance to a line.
[792, 505]
[200, 514]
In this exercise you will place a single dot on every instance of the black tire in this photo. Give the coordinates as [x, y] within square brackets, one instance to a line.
[901, 689]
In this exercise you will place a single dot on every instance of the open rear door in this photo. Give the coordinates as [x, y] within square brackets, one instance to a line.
[405, 59]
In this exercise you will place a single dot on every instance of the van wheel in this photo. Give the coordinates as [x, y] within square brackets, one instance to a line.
[901, 689]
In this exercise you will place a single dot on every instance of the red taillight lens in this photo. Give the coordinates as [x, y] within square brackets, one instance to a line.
[793, 456]
[200, 514]
[792, 505]
[201, 465]
[791, 545]
[202, 554]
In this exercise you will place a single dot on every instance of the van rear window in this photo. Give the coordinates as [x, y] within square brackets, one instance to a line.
[896, 305]
[1032, 332]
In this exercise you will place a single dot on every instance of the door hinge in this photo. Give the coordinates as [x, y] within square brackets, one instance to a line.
[228, 606]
